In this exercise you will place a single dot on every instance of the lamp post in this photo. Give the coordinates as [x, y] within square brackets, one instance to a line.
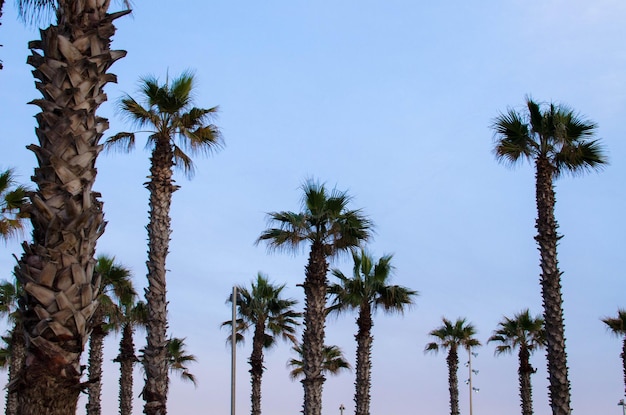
[233, 345]
[471, 371]
[341, 409]
[623, 405]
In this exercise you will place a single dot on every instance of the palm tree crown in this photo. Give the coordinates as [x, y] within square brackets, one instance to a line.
[334, 362]
[617, 326]
[526, 333]
[557, 135]
[12, 198]
[167, 111]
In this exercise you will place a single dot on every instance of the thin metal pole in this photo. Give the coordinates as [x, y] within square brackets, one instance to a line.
[233, 345]
[471, 391]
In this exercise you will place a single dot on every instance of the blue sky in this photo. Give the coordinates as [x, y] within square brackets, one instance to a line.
[391, 101]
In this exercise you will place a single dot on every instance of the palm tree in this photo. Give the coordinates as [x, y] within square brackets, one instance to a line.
[367, 291]
[178, 357]
[263, 310]
[617, 326]
[558, 140]
[527, 333]
[56, 269]
[175, 126]
[331, 228]
[333, 363]
[450, 336]
[15, 351]
[12, 200]
[115, 284]
[130, 314]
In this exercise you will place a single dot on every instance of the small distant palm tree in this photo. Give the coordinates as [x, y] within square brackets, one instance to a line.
[367, 291]
[178, 358]
[15, 350]
[330, 228]
[12, 199]
[115, 284]
[333, 363]
[528, 334]
[262, 310]
[558, 141]
[617, 326]
[451, 336]
[175, 128]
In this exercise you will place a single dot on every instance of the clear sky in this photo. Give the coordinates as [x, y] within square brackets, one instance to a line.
[392, 101]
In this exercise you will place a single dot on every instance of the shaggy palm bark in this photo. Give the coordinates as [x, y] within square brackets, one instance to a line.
[155, 360]
[315, 288]
[256, 367]
[56, 270]
[525, 389]
[96, 345]
[127, 360]
[547, 239]
[18, 353]
[363, 361]
[453, 380]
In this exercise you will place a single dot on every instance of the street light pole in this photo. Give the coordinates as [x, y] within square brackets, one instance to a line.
[623, 405]
[233, 345]
[341, 409]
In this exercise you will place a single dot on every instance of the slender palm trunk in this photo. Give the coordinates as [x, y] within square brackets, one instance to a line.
[256, 366]
[363, 361]
[56, 270]
[18, 353]
[547, 239]
[453, 380]
[161, 188]
[96, 345]
[127, 360]
[315, 289]
[525, 389]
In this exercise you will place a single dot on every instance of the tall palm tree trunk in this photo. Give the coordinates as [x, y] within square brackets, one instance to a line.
[256, 368]
[56, 270]
[525, 388]
[126, 359]
[453, 380]
[161, 188]
[96, 345]
[547, 239]
[363, 361]
[315, 288]
[18, 353]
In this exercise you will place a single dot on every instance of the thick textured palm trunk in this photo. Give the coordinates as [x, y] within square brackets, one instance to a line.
[161, 188]
[525, 388]
[547, 239]
[453, 380]
[363, 361]
[127, 360]
[256, 368]
[18, 353]
[56, 270]
[96, 345]
[315, 289]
